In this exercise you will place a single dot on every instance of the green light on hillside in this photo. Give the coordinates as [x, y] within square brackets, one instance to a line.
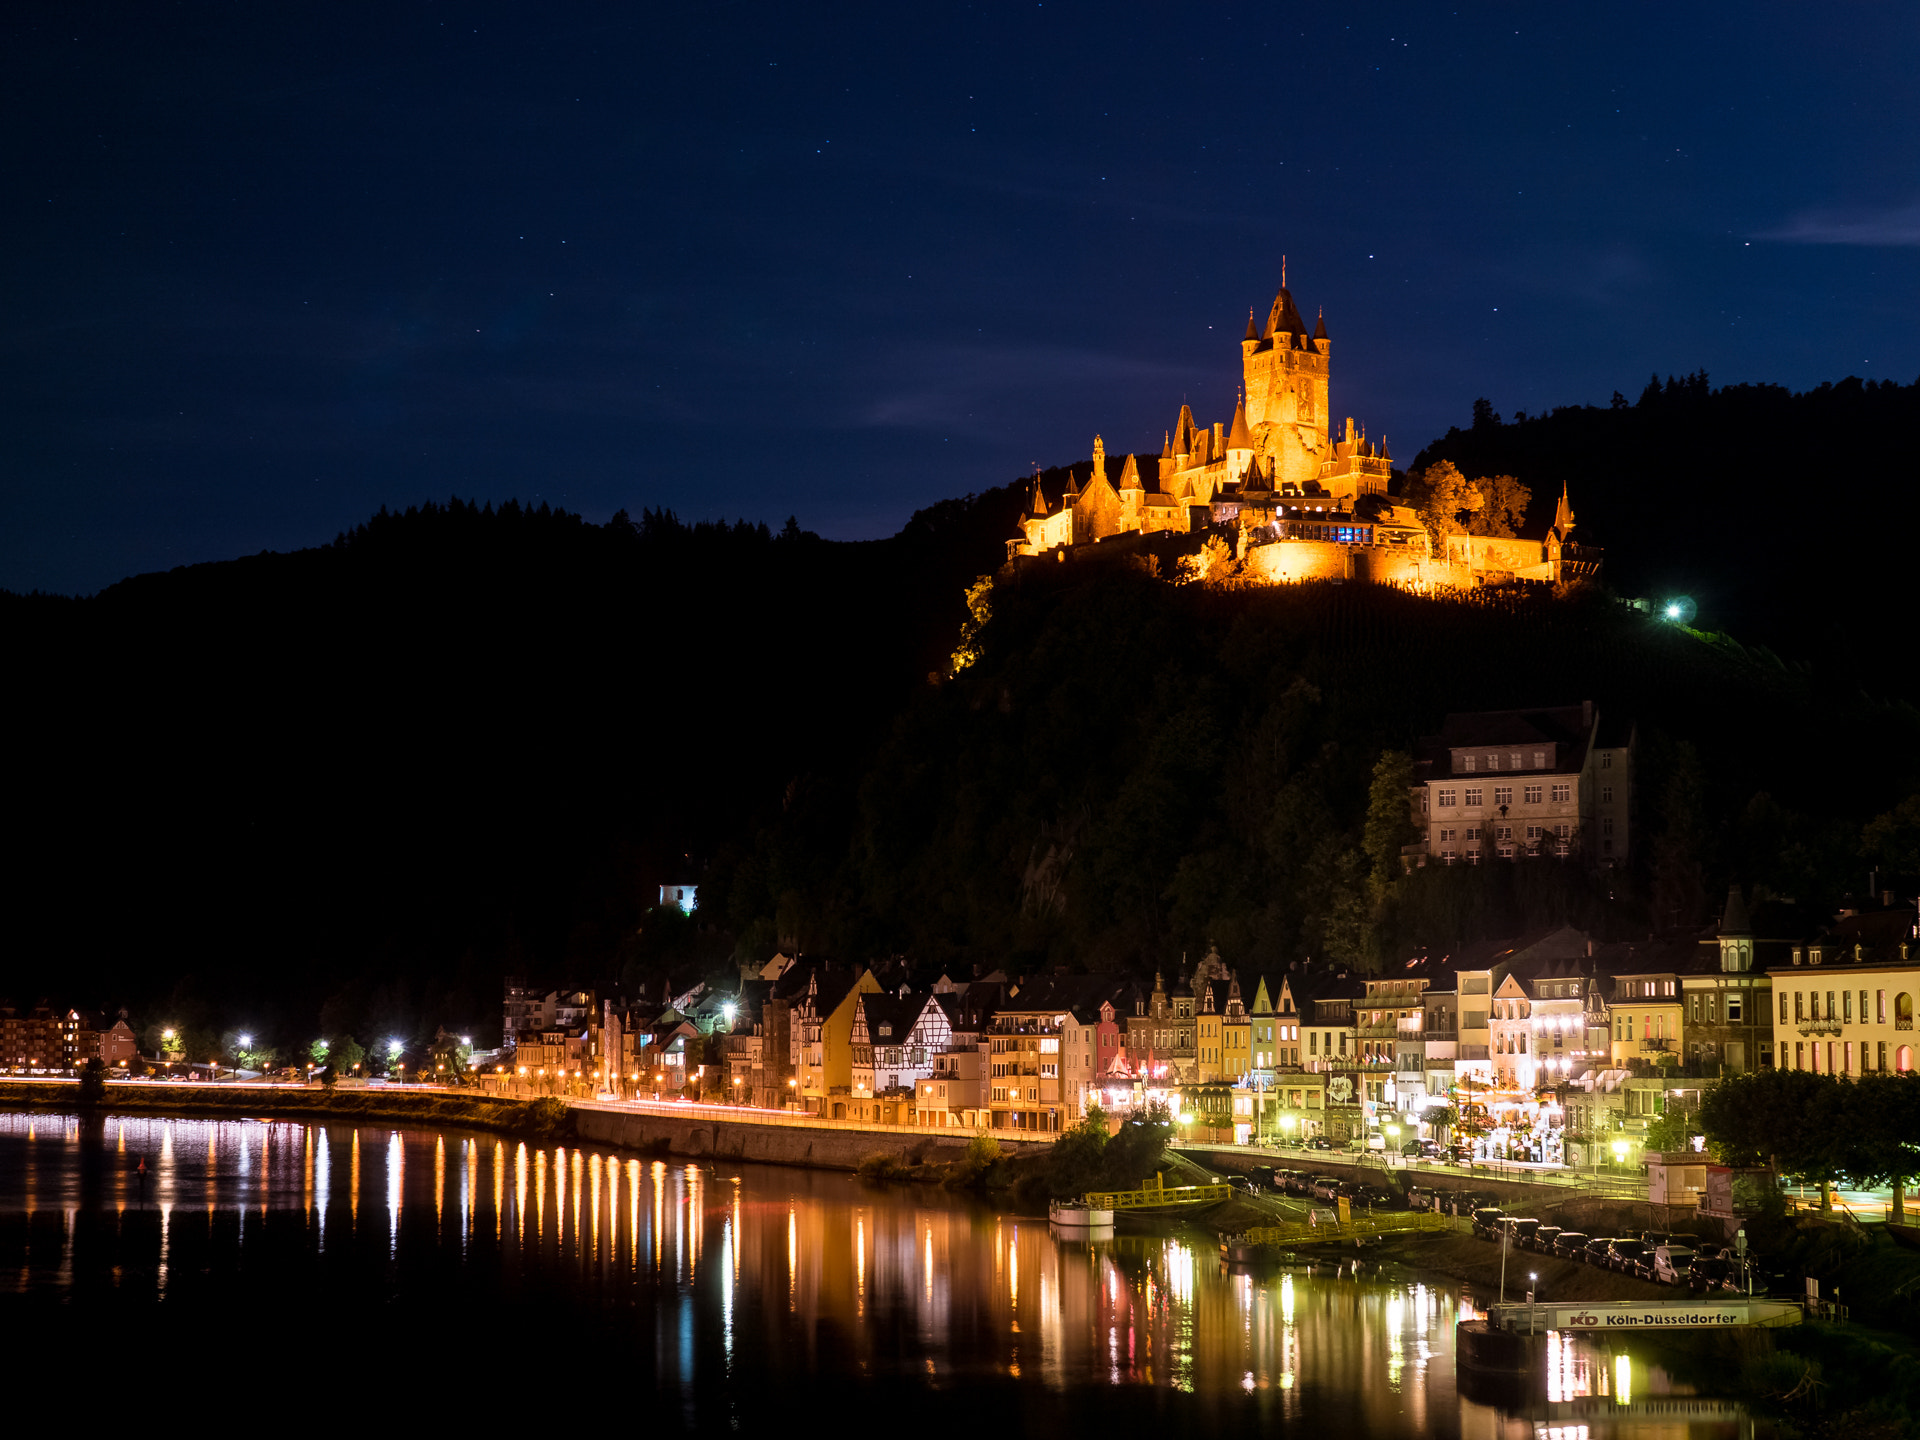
[1680, 609]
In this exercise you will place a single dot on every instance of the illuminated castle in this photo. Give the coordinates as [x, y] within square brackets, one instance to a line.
[1294, 499]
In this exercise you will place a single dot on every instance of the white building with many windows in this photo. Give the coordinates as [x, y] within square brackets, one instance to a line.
[1498, 784]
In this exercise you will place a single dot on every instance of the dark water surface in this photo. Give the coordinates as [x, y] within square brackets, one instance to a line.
[493, 1280]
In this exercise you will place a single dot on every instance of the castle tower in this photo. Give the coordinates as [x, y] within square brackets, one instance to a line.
[1285, 374]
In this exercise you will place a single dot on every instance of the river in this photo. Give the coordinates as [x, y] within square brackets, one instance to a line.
[728, 1297]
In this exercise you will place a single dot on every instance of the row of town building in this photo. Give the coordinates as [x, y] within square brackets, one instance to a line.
[1540, 1049]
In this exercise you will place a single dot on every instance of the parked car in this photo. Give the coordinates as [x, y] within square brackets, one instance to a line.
[1319, 1142]
[1542, 1239]
[1570, 1244]
[1376, 1197]
[1324, 1187]
[1672, 1264]
[1462, 1202]
[1519, 1229]
[1712, 1272]
[1485, 1221]
[1595, 1250]
[1299, 1182]
[1656, 1238]
[1624, 1254]
[1263, 1176]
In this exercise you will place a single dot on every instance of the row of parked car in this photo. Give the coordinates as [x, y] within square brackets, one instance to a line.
[1324, 1187]
[1658, 1255]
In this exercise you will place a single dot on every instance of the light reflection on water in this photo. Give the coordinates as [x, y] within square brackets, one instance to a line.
[752, 1274]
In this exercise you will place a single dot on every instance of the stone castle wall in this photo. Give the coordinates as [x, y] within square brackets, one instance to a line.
[1291, 561]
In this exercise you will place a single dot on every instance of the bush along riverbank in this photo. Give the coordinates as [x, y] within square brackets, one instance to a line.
[543, 1120]
[1089, 1156]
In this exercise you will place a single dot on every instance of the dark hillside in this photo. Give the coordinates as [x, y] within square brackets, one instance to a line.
[1779, 513]
[455, 741]
[1134, 770]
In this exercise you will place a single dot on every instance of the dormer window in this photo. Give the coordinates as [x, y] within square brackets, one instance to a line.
[1466, 763]
[1493, 761]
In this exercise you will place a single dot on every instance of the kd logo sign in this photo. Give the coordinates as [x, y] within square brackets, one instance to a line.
[1584, 1319]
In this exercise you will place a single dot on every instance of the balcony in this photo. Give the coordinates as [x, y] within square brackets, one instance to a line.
[1817, 1027]
[1656, 1045]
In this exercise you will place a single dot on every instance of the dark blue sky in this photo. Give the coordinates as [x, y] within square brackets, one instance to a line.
[267, 268]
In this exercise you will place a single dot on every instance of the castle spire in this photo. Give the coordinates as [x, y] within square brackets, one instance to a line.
[1253, 332]
[1166, 446]
[1240, 437]
[1130, 474]
[1563, 516]
[1038, 505]
[1320, 325]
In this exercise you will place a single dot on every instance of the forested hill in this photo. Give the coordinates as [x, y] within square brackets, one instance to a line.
[1778, 513]
[354, 785]
[1135, 770]
[454, 742]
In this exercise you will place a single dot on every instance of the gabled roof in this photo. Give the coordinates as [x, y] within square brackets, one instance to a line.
[895, 1011]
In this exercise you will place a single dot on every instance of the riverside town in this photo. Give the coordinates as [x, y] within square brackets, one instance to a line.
[736, 718]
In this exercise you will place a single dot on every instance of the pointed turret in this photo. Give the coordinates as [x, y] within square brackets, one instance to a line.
[1130, 475]
[1734, 921]
[1037, 506]
[1166, 446]
[1563, 516]
[1320, 325]
[1099, 459]
[1240, 437]
[1253, 331]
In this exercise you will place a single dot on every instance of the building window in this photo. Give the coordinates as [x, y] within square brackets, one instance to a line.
[1733, 1009]
[1503, 795]
[1493, 762]
[1474, 793]
[1846, 1007]
[1606, 759]
[1783, 1009]
[1530, 794]
[1606, 794]
[1466, 763]
[1606, 825]
[1513, 761]
[1447, 799]
[1693, 1007]
[1473, 832]
[1562, 794]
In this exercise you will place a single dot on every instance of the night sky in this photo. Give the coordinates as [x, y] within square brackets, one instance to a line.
[270, 267]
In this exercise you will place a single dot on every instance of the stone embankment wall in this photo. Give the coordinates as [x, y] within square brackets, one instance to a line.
[774, 1141]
